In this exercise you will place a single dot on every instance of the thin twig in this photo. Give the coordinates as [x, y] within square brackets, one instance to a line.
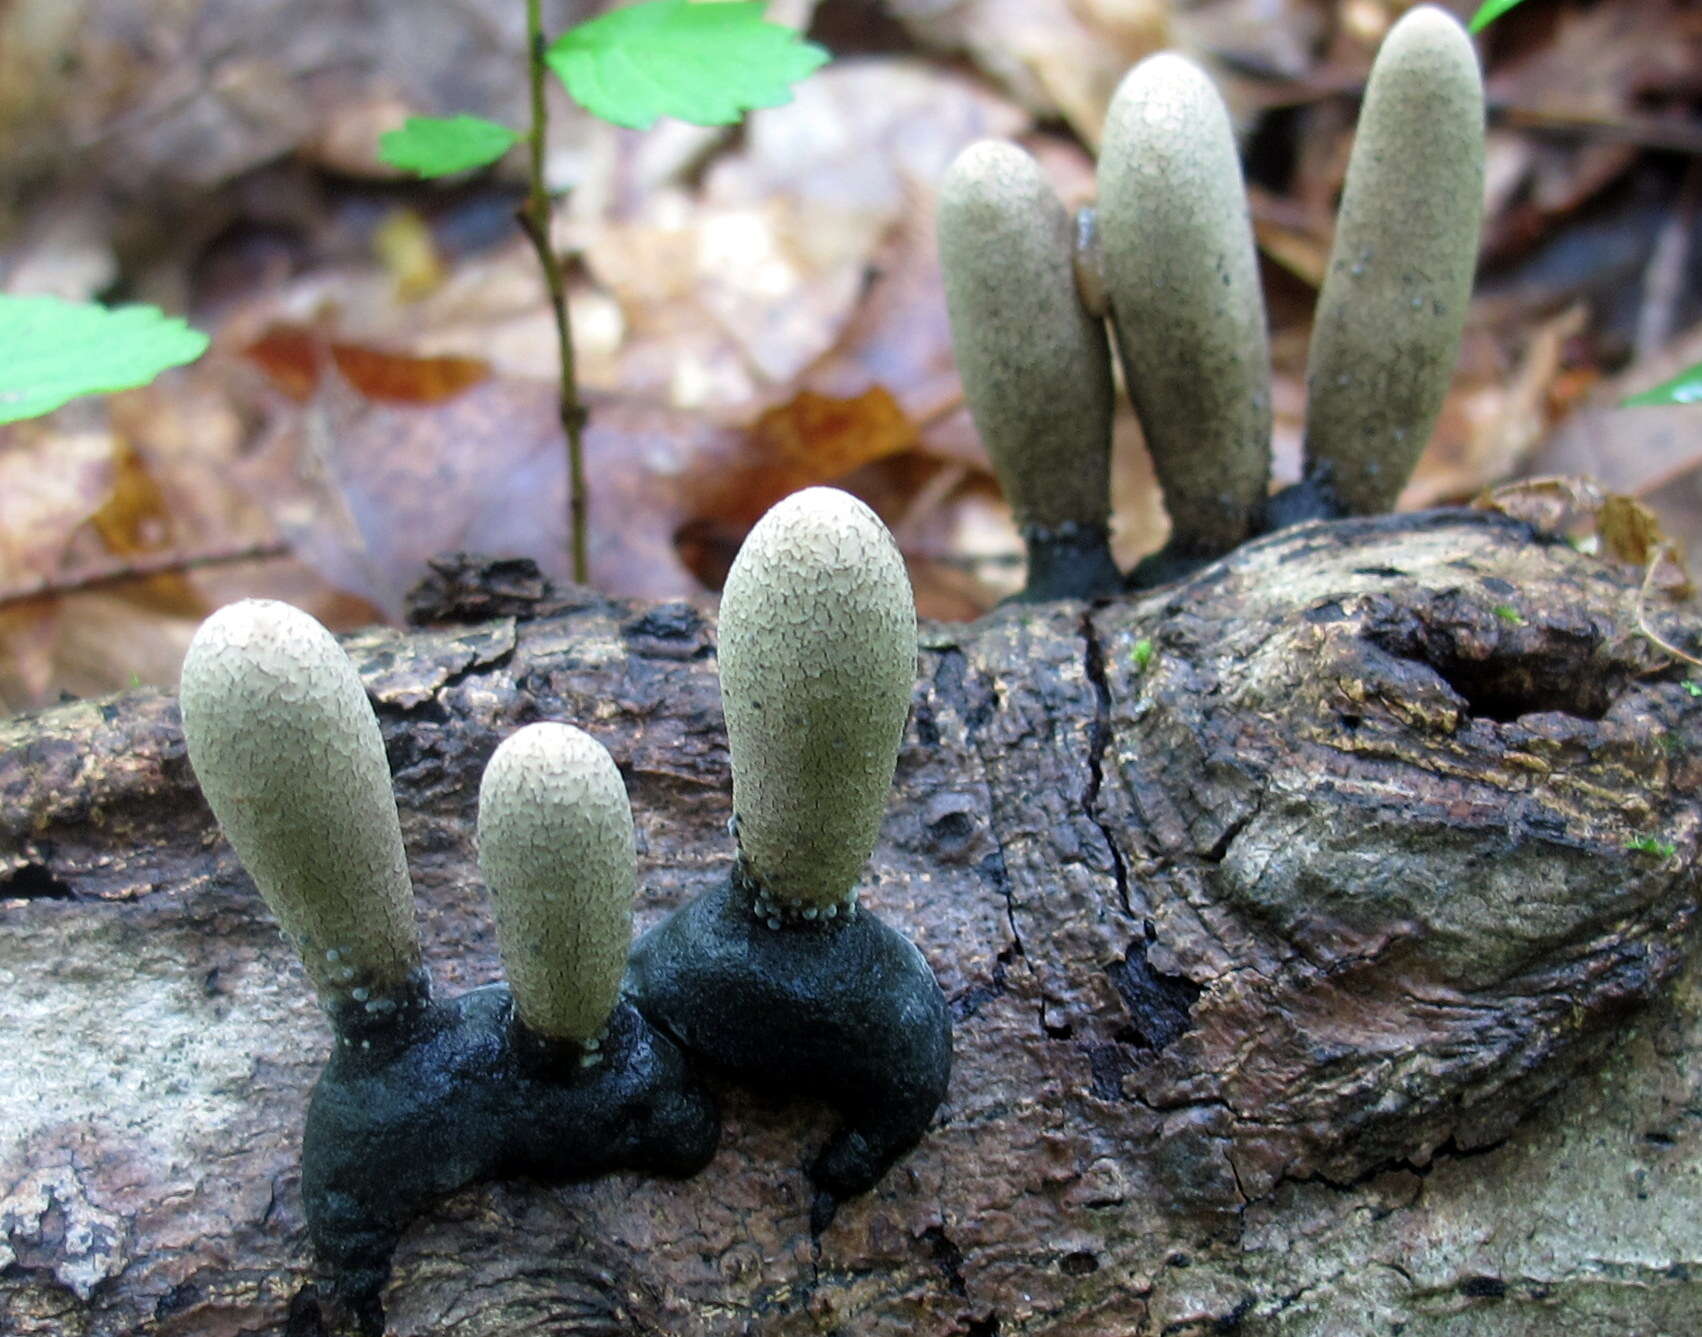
[1642, 612]
[140, 568]
[1648, 132]
[535, 223]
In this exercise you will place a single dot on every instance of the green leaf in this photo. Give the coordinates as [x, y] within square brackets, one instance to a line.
[1508, 613]
[1693, 687]
[1141, 655]
[1685, 388]
[1661, 849]
[52, 351]
[439, 146]
[703, 63]
[1489, 11]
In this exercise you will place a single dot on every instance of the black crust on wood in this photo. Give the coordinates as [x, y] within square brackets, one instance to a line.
[435, 1096]
[844, 1009]
[1069, 563]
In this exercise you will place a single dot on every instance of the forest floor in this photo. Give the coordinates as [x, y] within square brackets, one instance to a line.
[756, 309]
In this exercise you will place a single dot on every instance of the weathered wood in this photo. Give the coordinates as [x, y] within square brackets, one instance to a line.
[1298, 955]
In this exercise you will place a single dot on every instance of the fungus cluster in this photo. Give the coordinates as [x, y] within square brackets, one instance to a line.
[580, 1063]
[1168, 257]
[552, 1074]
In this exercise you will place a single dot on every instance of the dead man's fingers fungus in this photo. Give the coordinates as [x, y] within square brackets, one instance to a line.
[422, 1096]
[818, 660]
[556, 851]
[288, 753]
[779, 976]
[1393, 304]
[1182, 279]
[1034, 362]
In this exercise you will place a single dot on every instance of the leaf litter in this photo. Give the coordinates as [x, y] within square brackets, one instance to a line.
[754, 310]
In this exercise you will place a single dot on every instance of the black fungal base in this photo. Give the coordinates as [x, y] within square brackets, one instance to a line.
[1312, 498]
[1069, 562]
[1166, 566]
[845, 1010]
[434, 1096]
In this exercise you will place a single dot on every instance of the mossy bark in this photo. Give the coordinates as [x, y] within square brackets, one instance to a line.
[1304, 978]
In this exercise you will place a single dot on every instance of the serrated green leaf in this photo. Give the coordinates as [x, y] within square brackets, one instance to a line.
[1489, 11]
[439, 146]
[703, 63]
[1685, 388]
[52, 351]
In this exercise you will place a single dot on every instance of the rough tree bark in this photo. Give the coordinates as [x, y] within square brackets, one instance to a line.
[1306, 977]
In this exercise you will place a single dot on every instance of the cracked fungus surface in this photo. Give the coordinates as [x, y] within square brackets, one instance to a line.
[556, 851]
[818, 660]
[288, 753]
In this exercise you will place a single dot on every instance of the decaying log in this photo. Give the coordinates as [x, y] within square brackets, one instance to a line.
[1315, 933]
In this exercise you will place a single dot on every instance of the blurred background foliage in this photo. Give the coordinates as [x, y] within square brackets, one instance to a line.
[756, 309]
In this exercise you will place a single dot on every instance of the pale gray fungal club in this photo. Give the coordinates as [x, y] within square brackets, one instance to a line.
[288, 753]
[556, 851]
[1034, 361]
[1182, 278]
[818, 660]
[1393, 304]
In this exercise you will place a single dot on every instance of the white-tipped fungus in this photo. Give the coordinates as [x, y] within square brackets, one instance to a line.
[288, 752]
[1036, 370]
[818, 660]
[556, 851]
[1393, 304]
[1182, 278]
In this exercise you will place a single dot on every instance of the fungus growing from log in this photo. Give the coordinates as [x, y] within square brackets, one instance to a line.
[421, 1097]
[1182, 279]
[556, 851]
[288, 754]
[1168, 255]
[779, 977]
[818, 661]
[1393, 304]
[1036, 370]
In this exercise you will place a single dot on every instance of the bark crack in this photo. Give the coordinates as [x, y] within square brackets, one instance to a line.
[949, 680]
[1099, 744]
[948, 1258]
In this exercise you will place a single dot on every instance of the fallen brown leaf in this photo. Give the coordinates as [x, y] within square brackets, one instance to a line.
[294, 358]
